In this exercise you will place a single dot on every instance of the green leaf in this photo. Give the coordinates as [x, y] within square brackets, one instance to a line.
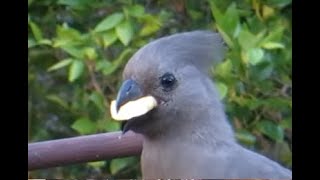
[118, 164]
[90, 53]
[263, 70]
[246, 137]
[278, 103]
[35, 31]
[83, 125]
[109, 22]
[124, 32]
[274, 36]
[224, 69]
[115, 64]
[112, 126]
[267, 11]
[220, 19]
[136, 11]
[59, 42]
[60, 64]
[271, 130]
[285, 153]
[56, 99]
[163, 16]
[149, 28]
[97, 164]
[45, 42]
[247, 40]
[195, 15]
[75, 70]
[286, 123]
[30, 2]
[103, 66]
[151, 25]
[109, 38]
[217, 14]
[225, 37]
[255, 55]
[74, 51]
[222, 89]
[272, 45]
[253, 103]
[67, 37]
[231, 20]
[66, 32]
[31, 43]
[108, 125]
[75, 4]
[280, 3]
[68, 2]
[98, 100]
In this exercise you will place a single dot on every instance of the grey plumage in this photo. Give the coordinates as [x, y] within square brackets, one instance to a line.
[187, 135]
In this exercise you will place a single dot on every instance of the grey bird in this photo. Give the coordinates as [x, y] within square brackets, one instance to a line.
[168, 97]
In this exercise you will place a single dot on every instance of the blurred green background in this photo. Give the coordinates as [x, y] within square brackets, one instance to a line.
[78, 48]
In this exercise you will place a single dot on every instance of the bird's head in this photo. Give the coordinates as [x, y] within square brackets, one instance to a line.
[166, 82]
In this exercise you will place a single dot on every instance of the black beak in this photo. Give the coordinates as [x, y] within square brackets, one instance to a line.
[129, 91]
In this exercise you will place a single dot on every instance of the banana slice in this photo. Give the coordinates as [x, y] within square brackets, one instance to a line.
[133, 108]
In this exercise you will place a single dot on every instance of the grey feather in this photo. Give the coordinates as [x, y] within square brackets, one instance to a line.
[188, 134]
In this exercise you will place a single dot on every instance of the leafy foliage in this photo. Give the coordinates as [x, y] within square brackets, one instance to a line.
[77, 50]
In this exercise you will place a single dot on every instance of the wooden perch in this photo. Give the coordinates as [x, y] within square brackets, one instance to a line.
[83, 149]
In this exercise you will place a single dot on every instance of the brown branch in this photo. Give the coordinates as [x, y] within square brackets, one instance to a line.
[94, 82]
[82, 149]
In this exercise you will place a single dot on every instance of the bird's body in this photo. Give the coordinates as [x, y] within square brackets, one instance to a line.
[186, 132]
[180, 160]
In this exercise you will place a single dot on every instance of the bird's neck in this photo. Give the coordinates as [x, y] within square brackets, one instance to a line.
[204, 127]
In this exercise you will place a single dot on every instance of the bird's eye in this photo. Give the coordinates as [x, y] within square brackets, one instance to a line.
[167, 81]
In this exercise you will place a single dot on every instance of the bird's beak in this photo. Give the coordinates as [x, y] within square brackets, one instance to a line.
[131, 102]
[129, 91]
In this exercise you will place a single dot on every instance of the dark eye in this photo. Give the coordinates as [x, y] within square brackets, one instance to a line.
[167, 81]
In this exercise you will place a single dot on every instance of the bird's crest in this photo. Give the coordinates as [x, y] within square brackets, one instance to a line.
[199, 48]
